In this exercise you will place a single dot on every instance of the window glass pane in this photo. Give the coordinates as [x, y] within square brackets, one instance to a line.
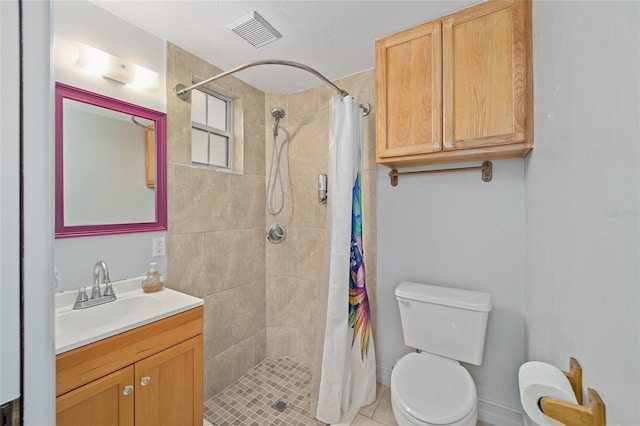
[198, 107]
[199, 146]
[217, 114]
[218, 153]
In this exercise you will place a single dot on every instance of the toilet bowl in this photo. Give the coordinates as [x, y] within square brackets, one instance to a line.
[430, 390]
[445, 325]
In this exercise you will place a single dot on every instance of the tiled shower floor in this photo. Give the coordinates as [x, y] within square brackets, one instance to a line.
[248, 400]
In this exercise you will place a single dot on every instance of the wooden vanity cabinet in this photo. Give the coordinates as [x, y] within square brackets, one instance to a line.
[151, 375]
[457, 88]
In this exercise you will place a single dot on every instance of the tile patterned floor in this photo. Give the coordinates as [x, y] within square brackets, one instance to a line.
[378, 413]
[248, 401]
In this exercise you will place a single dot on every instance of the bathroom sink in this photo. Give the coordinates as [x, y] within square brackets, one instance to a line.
[133, 308]
[121, 310]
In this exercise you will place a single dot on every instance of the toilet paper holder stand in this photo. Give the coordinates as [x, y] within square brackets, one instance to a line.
[575, 414]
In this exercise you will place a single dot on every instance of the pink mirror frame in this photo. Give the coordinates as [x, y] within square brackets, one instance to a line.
[64, 91]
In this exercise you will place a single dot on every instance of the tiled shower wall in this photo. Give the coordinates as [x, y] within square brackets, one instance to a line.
[216, 240]
[293, 267]
[261, 300]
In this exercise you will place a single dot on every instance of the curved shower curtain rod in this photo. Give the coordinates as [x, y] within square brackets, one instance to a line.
[182, 91]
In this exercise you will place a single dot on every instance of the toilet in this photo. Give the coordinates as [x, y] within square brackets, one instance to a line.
[446, 326]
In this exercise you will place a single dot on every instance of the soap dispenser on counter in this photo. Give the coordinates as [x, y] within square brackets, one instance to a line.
[153, 281]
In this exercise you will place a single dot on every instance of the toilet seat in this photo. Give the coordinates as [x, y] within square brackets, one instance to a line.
[432, 389]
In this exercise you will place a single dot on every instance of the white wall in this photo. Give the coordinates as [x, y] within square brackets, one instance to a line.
[9, 201]
[83, 22]
[582, 186]
[37, 200]
[80, 21]
[126, 255]
[455, 230]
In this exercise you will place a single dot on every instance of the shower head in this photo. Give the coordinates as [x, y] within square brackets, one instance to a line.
[277, 113]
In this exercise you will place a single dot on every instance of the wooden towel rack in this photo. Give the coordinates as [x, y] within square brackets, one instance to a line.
[486, 168]
[571, 414]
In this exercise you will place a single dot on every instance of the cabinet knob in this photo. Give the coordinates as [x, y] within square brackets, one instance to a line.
[448, 145]
[127, 390]
[145, 381]
[436, 146]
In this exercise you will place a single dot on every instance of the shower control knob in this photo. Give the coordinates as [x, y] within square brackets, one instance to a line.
[436, 146]
[276, 233]
[448, 145]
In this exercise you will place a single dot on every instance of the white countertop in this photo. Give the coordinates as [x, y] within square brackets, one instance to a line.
[133, 308]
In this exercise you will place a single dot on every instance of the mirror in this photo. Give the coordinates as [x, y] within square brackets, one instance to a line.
[110, 166]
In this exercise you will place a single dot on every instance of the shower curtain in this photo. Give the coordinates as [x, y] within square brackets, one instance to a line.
[345, 355]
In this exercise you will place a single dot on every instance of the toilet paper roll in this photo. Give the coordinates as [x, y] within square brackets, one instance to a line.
[538, 379]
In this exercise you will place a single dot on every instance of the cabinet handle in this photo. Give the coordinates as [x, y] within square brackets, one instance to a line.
[127, 390]
[145, 381]
[436, 146]
[448, 145]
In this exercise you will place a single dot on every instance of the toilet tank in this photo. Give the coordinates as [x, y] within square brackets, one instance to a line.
[444, 321]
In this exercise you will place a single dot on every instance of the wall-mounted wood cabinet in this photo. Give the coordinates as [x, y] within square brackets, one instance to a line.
[151, 375]
[456, 89]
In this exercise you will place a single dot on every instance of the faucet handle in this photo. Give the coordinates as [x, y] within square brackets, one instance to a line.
[81, 299]
[108, 290]
[82, 295]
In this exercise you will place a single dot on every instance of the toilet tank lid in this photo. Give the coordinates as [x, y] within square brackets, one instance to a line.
[464, 299]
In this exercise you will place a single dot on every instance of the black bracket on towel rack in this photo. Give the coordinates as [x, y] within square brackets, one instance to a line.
[486, 168]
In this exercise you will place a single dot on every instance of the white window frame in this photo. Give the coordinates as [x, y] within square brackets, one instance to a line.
[226, 133]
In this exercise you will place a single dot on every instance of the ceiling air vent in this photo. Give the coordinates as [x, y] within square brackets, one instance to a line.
[255, 30]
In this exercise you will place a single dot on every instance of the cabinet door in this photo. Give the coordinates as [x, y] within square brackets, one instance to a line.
[409, 92]
[169, 386]
[100, 403]
[485, 98]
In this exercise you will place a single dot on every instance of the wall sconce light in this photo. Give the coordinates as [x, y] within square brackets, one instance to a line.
[103, 64]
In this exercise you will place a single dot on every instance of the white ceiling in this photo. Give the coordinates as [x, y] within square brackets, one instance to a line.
[334, 37]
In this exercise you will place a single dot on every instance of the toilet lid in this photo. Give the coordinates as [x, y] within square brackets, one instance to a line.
[432, 389]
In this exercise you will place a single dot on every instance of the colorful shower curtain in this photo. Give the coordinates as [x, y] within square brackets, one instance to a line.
[347, 375]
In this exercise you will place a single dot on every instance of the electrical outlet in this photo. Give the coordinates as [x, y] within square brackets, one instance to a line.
[158, 247]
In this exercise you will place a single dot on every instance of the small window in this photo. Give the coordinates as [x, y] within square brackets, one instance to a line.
[211, 118]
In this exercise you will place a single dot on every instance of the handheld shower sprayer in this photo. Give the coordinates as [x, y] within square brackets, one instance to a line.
[275, 182]
[277, 113]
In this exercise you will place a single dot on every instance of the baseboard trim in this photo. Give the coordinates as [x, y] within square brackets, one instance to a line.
[383, 375]
[497, 414]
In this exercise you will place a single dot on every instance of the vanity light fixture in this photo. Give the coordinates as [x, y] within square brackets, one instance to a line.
[103, 64]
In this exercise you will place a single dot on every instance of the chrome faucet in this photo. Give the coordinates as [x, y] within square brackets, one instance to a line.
[95, 290]
[96, 297]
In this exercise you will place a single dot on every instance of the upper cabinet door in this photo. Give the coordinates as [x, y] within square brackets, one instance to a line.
[409, 92]
[485, 82]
